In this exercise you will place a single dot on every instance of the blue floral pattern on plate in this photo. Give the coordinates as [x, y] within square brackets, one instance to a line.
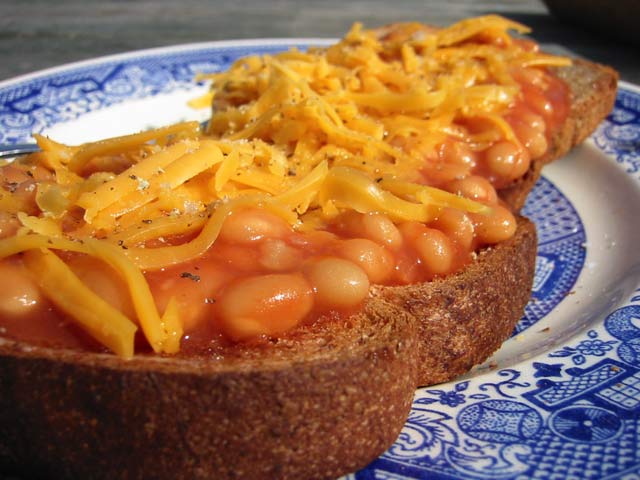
[31, 105]
[561, 250]
[571, 412]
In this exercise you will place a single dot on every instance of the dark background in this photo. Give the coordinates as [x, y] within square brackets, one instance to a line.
[40, 34]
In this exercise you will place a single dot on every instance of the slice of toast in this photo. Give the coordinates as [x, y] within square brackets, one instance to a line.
[313, 405]
[317, 403]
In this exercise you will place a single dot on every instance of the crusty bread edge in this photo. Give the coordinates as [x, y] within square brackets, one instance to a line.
[63, 416]
[333, 408]
[464, 318]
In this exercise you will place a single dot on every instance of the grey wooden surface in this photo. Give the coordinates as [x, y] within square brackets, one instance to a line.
[36, 34]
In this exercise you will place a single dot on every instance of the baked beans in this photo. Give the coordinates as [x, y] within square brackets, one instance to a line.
[104, 281]
[276, 255]
[457, 153]
[374, 259]
[262, 277]
[507, 160]
[9, 224]
[538, 102]
[314, 241]
[525, 116]
[19, 295]
[243, 258]
[533, 139]
[532, 76]
[374, 226]
[252, 224]
[338, 283]
[434, 248]
[496, 227]
[348, 224]
[194, 286]
[263, 304]
[379, 228]
[408, 268]
[474, 187]
[457, 225]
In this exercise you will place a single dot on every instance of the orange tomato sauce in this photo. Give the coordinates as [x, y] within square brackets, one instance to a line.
[260, 267]
[261, 278]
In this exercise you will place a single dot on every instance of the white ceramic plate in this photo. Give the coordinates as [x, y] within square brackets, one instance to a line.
[561, 399]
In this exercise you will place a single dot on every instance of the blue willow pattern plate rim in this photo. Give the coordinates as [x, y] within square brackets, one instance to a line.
[558, 414]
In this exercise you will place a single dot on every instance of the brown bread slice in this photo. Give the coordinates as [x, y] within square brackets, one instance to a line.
[317, 404]
[464, 318]
[321, 402]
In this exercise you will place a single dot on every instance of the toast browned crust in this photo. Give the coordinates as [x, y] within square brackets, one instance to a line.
[466, 317]
[317, 403]
[320, 402]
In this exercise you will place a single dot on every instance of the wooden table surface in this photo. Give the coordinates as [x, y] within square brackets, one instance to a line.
[36, 34]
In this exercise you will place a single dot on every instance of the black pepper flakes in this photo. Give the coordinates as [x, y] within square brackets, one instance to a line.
[190, 276]
[147, 221]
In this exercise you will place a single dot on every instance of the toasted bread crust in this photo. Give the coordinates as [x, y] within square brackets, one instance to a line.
[308, 409]
[464, 318]
[318, 403]
[354, 378]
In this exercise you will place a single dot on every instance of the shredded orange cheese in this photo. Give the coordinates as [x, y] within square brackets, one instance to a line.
[304, 134]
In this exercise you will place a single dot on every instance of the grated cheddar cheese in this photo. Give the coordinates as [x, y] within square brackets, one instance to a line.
[306, 135]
